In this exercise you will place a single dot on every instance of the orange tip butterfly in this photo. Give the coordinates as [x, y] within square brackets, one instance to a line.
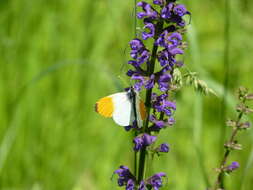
[123, 107]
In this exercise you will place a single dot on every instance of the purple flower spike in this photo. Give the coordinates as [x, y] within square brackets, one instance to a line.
[233, 166]
[149, 12]
[163, 148]
[151, 33]
[163, 23]
[156, 180]
[180, 10]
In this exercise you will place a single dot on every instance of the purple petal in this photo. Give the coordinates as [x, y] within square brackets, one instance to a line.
[151, 33]
[148, 139]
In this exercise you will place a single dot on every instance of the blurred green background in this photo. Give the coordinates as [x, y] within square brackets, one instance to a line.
[57, 57]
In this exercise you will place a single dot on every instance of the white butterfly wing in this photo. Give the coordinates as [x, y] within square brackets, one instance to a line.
[123, 112]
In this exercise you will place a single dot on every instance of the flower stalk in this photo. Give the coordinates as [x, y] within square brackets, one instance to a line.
[232, 144]
[150, 71]
[164, 25]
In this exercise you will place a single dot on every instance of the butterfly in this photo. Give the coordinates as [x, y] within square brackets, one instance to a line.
[123, 107]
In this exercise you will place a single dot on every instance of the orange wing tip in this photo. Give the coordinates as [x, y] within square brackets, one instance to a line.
[105, 106]
[143, 110]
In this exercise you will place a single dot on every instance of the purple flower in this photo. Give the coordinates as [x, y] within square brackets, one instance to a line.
[140, 81]
[156, 180]
[134, 54]
[179, 10]
[134, 63]
[163, 148]
[143, 141]
[159, 2]
[130, 72]
[143, 57]
[233, 166]
[169, 104]
[151, 33]
[138, 85]
[142, 186]
[140, 55]
[124, 175]
[174, 40]
[150, 82]
[175, 51]
[158, 123]
[165, 58]
[169, 40]
[161, 104]
[178, 20]
[130, 184]
[136, 44]
[138, 141]
[161, 40]
[166, 11]
[148, 139]
[147, 82]
[148, 11]
[138, 77]
[164, 82]
[138, 52]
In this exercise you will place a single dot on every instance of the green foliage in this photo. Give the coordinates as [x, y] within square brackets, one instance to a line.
[59, 57]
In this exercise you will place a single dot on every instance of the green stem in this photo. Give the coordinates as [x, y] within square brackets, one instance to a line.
[150, 71]
[220, 179]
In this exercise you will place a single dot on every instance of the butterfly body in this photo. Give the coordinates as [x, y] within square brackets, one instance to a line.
[123, 107]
